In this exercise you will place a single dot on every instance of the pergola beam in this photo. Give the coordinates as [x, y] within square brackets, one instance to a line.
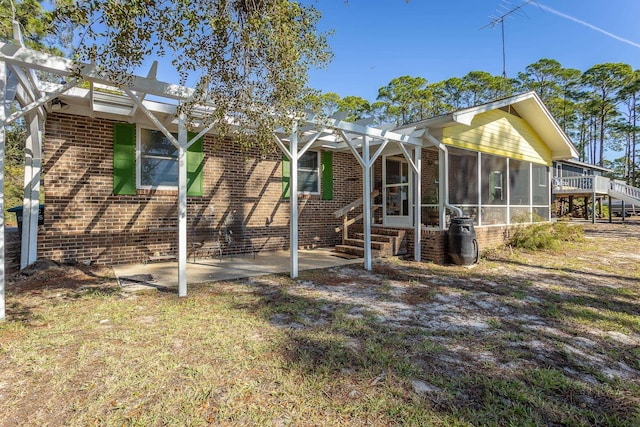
[39, 102]
[28, 58]
[364, 130]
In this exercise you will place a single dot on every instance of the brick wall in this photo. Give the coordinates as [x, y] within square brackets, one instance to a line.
[85, 222]
[434, 244]
[11, 249]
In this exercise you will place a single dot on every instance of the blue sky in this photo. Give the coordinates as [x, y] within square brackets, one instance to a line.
[377, 40]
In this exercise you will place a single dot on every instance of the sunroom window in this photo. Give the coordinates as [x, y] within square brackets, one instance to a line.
[158, 165]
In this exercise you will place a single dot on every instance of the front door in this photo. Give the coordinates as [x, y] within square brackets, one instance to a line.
[396, 185]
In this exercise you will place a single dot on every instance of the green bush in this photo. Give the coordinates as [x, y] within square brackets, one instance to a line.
[545, 236]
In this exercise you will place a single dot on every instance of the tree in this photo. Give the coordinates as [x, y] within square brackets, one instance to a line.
[325, 104]
[453, 89]
[438, 97]
[357, 107]
[34, 22]
[33, 19]
[605, 80]
[556, 86]
[543, 77]
[480, 87]
[629, 96]
[250, 58]
[403, 99]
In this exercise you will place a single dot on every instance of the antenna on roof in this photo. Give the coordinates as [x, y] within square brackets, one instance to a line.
[505, 10]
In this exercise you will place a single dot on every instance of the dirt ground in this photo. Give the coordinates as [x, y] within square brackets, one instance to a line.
[537, 338]
[49, 275]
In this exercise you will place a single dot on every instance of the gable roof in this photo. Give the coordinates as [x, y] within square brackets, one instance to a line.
[529, 106]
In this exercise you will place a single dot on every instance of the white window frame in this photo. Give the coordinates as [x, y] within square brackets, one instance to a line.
[139, 184]
[317, 171]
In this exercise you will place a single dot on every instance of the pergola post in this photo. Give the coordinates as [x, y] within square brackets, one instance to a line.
[31, 202]
[417, 203]
[182, 206]
[293, 203]
[442, 188]
[366, 202]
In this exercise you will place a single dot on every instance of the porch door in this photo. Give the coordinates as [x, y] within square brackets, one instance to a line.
[397, 198]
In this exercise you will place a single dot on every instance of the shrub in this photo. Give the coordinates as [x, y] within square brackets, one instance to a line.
[545, 235]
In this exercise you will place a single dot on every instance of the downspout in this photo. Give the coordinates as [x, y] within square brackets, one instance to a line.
[445, 178]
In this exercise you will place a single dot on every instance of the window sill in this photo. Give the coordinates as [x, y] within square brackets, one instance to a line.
[152, 192]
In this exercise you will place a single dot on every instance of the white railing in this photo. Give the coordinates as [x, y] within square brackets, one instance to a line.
[628, 191]
[585, 184]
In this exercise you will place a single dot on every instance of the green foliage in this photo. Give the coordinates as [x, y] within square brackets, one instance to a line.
[545, 235]
[34, 22]
[404, 98]
[250, 58]
[13, 194]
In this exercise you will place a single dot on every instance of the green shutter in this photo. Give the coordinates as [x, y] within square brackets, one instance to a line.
[124, 158]
[195, 165]
[286, 177]
[327, 175]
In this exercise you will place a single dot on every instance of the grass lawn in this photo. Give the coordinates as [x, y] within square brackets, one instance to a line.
[523, 338]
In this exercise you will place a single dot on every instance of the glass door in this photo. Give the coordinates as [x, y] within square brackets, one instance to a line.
[397, 192]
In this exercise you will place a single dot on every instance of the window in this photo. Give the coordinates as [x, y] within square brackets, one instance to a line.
[146, 159]
[310, 166]
[309, 173]
[496, 186]
[158, 161]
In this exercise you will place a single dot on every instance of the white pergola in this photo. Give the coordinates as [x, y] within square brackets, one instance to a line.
[21, 87]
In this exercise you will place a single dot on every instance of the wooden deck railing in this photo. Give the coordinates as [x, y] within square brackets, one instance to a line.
[581, 184]
[344, 213]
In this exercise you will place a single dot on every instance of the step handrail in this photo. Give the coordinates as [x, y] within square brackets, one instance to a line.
[353, 205]
[624, 190]
[344, 213]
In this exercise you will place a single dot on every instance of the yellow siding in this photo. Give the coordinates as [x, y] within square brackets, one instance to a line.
[500, 133]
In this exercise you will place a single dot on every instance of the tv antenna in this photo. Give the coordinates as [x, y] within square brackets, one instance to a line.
[504, 11]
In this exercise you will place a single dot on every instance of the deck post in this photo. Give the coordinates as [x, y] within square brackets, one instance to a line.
[610, 218]
[593, 200]
[182, 206]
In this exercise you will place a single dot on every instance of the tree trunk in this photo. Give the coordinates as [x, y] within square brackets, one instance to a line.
[634, 179]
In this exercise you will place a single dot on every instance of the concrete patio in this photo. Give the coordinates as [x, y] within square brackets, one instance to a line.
[164, 275]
